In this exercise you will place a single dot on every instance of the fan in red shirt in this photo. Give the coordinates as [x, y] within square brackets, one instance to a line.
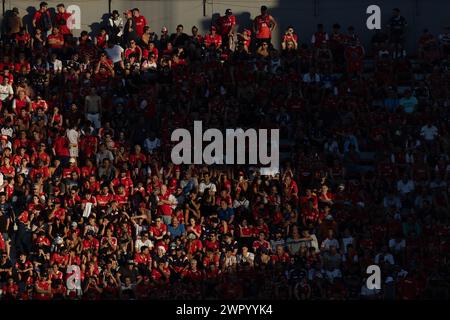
[143, 259]
[263, 26]
[192, 273]
[161, 274]
[261, 242]
[104, 198]
[354, 55]
[158, 230]
[38, 17]
[91, 243]
[280, 255]
[43, 288]
[213, 39]
[10, 289]
[124, 180]
[56, 39]
[140, 21]
[63, 20]
[21, 102]
[121, 196]
[319, 37]
[289, 36]
[67, 172]
[101, 39]
[226, 25]
[137, 156]
[41, 241]
[61, 147]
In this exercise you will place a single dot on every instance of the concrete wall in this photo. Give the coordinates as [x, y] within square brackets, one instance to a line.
[304, 15]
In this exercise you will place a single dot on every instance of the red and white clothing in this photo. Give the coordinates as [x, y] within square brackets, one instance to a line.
[263, 24]
[215, 40]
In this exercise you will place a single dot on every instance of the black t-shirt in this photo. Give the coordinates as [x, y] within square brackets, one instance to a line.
[125, 272]
[229, 246]
[3, 222]
[397, 24]
[4, 274]
[180, 262]
[180, 40]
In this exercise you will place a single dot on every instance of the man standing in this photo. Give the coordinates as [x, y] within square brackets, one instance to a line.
[140, 21]
[42, 19]
[93, 108]
[13, 23]
[226, 26]
[63, 22]
[115, 23]
[263, 26]
[397, 26]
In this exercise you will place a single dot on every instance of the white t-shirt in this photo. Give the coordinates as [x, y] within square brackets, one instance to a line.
[139, 244]
[5, 91]
[1, 182]
[211, 186]
[114, 53]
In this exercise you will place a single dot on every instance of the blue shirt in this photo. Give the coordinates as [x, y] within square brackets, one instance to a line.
[225, 214]
[176, 232]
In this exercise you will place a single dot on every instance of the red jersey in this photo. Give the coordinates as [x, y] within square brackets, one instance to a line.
[103, 199]
[101, 40]
[192, 275]
[141, 22]
[158, 231]
[215, 40]
[263, 24]
[141, 258]
[61, 146]
[55, 41]
[63, 27]
[354, 56]
[91, 244]
[225, 24]
[318, 38]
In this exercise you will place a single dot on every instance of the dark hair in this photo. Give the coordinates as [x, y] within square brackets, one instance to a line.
[263, 8]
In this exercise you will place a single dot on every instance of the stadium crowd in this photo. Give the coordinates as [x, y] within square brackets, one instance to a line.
[91, 206]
